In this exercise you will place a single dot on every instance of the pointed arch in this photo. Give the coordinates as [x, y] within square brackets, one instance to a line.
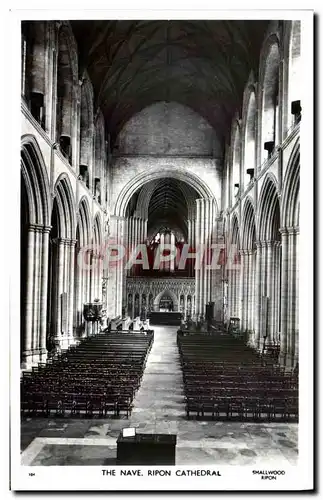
[269, 210]
[66, 207]
[84, 222]
[161, 294]
[236, 160]
[67, 78]
[86, 130]
[269, 82]
[290, 194]
[235, 231]
[36, 180]
[248, 229]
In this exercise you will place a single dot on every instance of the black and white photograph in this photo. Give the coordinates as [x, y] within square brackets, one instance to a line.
[162, 296]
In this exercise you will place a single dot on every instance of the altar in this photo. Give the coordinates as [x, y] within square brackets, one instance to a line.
[165, 318]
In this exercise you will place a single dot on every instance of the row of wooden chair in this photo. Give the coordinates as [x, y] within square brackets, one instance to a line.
[226, 380]
[99, 377]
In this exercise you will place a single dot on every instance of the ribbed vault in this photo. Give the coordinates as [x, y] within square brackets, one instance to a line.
[201, 64]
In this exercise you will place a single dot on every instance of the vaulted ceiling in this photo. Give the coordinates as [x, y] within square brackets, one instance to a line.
[202, 64]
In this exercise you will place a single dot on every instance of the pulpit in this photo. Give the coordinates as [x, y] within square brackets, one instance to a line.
[92, 312]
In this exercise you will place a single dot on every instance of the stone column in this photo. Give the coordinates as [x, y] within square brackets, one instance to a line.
[36, 295]
[116, 269]
[250, 287]
[199, 203]
[269, 285]
[70, 289]
[244, 288]
[284, 294]
[258, 294]
[292, 297]
[43, 297]
[60, 242]
[172, 262]
[276, 311]
[29, 304]
[185, 306]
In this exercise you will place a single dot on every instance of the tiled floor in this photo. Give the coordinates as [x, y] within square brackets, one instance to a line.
[159, 408]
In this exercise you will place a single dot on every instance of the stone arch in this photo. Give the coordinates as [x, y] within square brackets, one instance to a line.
[34, 228]
[84, 221]
[98, 232]
[160, 295]
[66, 207]
[139, 180]
[268, 209]
[235, 230]
[36, 180]
[248, 235]
[290, 194]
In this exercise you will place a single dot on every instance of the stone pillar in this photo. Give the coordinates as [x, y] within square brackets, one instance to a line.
[36, 295]
[199, 203]
[251, 291]
[60, 242]
[172, 262]
[258, 294]
[29, 304]
[70, 289]
[284, 295]
[270, 276]
[43, 297]
[116, 269]
[292, 323]
[244, 292]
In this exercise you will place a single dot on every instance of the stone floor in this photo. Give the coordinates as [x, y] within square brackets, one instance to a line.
[159, 408]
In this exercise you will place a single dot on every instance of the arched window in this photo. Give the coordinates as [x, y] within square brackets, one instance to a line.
[250, 141]
[33, 67]
[65, 97]
[236, 165]
[86, 132]
[294, 74]
[270, 113]
[99, 158]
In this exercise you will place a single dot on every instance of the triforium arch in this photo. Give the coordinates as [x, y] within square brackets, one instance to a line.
[61, 265]
[269, 253]
[35, 227]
